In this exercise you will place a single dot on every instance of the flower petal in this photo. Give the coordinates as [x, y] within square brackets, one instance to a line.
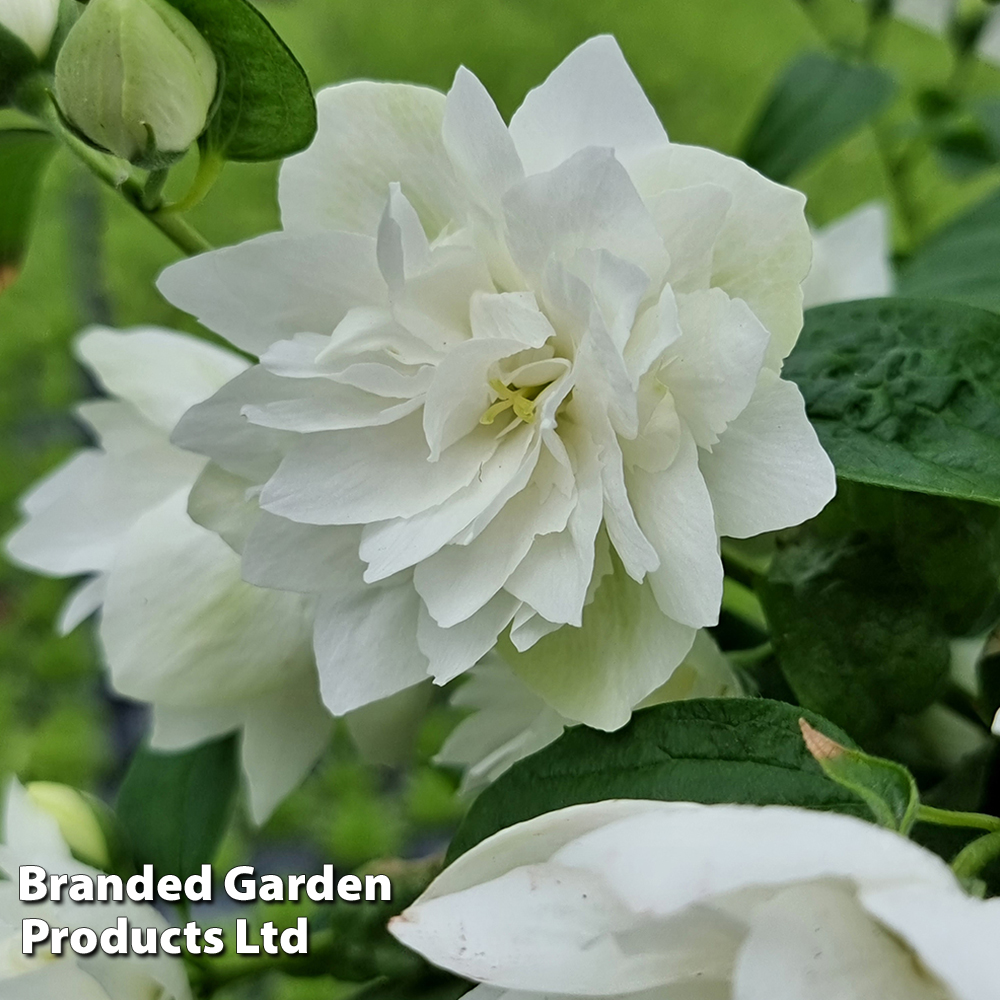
[485, 563]
[768, 470]
[181, 628]
[598, 673]
[815, 941]
[454, 650]
[674, 511]
[365, 475]
[160, 372]
[764, 248]
[591, 99]
[365, 642]
[713, 366]
[477, 141]
[954, 936]
[284, 733]
[852, 258]
[370, 134]
[273, 287]
[589, 203]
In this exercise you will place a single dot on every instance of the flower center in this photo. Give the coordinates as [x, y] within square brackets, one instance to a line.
[521, 401]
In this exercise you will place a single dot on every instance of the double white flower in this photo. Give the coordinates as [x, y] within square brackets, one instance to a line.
[30, 837]
[663, 900]
[511, 379]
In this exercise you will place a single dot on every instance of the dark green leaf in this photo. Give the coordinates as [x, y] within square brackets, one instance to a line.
[853, 634]
[966, 151]
[24, 155]
[951, 548]
[174, 807]
[817, 102]
[705, 750]
[961, 261]
[266, 110]
[905, 393]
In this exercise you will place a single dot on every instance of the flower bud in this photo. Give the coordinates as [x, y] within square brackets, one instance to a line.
[135, 78]
[78, 822]
[33, 21]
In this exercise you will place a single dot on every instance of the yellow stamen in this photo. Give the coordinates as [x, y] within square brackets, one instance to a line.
[511, 399]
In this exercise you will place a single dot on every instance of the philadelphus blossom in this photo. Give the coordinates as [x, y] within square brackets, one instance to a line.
[30, 837]
[663, 900]
[179, 627]
[509, 721]
[510, 381]
[32, 21]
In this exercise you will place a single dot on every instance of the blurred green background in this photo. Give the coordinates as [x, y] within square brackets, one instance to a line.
[707, 66]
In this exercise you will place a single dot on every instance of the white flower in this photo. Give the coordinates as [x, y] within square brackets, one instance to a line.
[509, 721]
[179, 627]
[30, 837]
[33, 21]
[492, 357]
[852, 258]
[661, 901]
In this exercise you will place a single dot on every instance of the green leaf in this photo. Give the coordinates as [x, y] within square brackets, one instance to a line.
[817, 102]
[174, 807]
[905, 393]
[887, 787]
[950, 548]
[959, 261]
[705, 750]
[853, 634]
[24, 155]
[266, 109]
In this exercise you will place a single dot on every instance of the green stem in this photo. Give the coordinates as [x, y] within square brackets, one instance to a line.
[117, 176]
[968, 820]
[742, 602]
[974, 858]
[210, 165]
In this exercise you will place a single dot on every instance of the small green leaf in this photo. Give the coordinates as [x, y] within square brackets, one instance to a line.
[24, 155]
[853, 634]
[905, 393]
[174, 807]
[817, 102]
[266, 109]
[959, 261]
[887, 787]
[708, 750]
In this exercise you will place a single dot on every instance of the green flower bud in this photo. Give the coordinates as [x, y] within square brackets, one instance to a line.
[78, 822]
[135, 78]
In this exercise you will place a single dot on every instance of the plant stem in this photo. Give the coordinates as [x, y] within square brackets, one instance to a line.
[974, 858]
[117, 176]
[181, 233]
[742, 602]
[968, 820]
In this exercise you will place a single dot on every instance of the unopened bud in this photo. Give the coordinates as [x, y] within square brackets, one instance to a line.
[135, 78]
[32, 21]
[78, 822]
